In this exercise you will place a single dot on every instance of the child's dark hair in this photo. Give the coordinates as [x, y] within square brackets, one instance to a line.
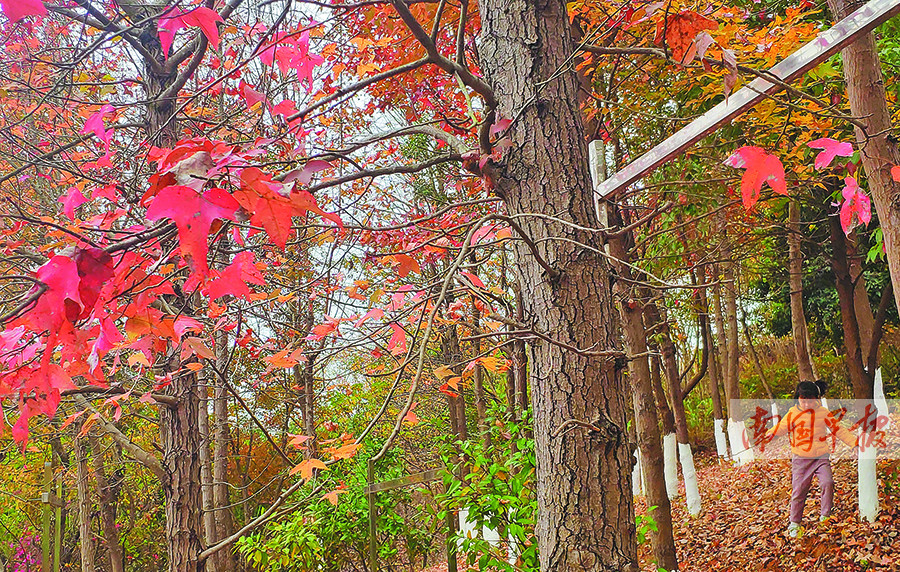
[808, 390]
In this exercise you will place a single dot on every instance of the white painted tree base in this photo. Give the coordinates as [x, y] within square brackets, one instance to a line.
[636, 475]
[721, 441]
[670, 464]
[691, 487]
[741, 452]
[867, 481]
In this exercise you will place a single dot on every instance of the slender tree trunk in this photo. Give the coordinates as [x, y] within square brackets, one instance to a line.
[805, 366]
[520, 358]
[878, 145]
[721, 360]
[221, 445]
[206, 478]
[107, 501]
[646, 421]
[757, 364]
[673, 377]
[864, 316]
[670, 443]
[861, 380]
[85, 533]
[740, 448]
[586, 516]
[478, 383]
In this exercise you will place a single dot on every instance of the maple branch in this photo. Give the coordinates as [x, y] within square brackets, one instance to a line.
[115, 390]
[23, 306]
[435, 28]
[142, 456]
[434, 56]
[353, 88]
[400, 169]
[420, 365]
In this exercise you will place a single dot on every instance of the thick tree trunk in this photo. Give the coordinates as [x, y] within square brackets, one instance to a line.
[180, 441]
[586, 516]
[107, 501]
[85, 533]
[646, 421]
[805, 367]
[520, 359]
[868, 103]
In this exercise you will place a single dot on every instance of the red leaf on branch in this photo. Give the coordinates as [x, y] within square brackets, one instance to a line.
[830, 149]
[761, 168]
[193, 214]
[233, 279]
[176, 19]
[397, 344]
[71, 201]
[895, 173]
[15, 10]
[679, 32]
[856, 208]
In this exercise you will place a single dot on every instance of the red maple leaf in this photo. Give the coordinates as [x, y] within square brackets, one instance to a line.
[856, 206]
[761, 168]
[176, 19]
[679, 32]
[193, 214]
[830, 149]
[233, 280]
[95, 268]
[15, 10]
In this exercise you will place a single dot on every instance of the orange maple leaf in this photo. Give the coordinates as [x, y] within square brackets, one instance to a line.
[679, 32]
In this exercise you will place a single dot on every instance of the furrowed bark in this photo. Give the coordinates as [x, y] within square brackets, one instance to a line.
[586, 517]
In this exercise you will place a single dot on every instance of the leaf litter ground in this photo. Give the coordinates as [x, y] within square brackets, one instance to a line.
[743, 524]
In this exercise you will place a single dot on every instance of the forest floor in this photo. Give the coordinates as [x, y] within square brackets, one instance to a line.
[743, 523]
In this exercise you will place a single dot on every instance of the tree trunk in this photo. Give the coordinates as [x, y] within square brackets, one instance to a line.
[221, 445]
[861, 380]
[85, 533]
[868, 103]
[478, 383]
[670, 444]
[108, 498]
[180, 441]
[805, 367]
[740, 449]
[586, 516]
[673, 377]
[206, 478]
[646, 421]
[863, 307]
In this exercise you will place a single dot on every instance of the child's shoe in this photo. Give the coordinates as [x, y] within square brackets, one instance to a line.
[793, 529]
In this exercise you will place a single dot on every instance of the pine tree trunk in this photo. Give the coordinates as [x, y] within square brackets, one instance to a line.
[805, 368]
[868, 103]
[586, 516]
[180, 441]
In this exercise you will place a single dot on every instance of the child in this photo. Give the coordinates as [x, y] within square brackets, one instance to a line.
[812, 431]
